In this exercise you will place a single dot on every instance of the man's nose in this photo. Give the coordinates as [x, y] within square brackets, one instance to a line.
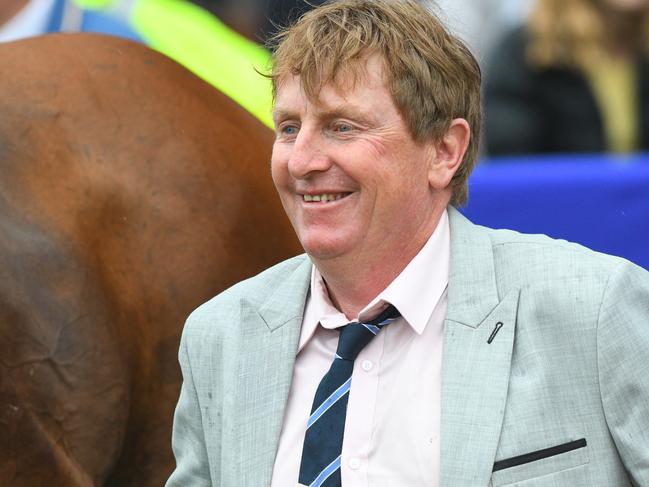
[309, 155]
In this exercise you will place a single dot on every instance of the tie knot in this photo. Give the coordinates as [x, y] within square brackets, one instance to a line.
[355, 336]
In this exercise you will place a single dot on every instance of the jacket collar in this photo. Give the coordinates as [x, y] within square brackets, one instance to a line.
[475, 373]
[265, 371]
[287, 302]
[477, 352]
[472, 292]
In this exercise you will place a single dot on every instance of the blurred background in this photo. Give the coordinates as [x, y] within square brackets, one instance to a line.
[565, 84]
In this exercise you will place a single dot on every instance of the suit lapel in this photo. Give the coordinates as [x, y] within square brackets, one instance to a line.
[478, 342]
[267, 354]
[475, 373]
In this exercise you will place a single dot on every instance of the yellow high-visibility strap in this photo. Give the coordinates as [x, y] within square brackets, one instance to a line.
[204, 45]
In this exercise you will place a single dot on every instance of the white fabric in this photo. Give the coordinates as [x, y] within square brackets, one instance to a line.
[480, 23]
[393, 415]
[31, 20]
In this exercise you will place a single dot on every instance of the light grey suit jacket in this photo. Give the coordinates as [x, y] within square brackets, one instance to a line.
[567, 366]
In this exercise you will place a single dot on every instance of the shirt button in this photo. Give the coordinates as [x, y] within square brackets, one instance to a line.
[367, 365]
[354, 463]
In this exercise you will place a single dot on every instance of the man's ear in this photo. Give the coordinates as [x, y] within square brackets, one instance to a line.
[448, 155]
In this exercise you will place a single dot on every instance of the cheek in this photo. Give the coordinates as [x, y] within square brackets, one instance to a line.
[377, 148]
[278, 166]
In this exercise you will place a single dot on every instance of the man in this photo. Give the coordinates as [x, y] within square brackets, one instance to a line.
[475, 357]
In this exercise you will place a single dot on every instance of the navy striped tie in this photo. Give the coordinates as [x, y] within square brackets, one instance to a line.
[323, 441]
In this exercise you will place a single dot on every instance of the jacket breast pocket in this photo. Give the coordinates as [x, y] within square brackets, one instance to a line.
[563, 464]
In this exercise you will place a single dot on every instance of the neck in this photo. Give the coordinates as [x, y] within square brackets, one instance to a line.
[355, 280]
[9, 8]
[351, 292]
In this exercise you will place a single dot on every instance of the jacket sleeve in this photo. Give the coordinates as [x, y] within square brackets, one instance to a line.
[623, 364]
[188, 439]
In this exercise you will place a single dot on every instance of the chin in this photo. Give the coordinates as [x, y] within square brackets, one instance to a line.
[324, 249]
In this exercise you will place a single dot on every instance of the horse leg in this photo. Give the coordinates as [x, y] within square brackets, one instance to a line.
[64, 389]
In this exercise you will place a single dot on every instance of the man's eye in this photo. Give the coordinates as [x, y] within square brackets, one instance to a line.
[344, 127]
[288, 130]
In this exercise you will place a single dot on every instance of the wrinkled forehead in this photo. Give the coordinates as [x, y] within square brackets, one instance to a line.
[369, 70]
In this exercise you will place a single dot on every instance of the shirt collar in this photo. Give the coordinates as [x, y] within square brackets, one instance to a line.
[415, 291]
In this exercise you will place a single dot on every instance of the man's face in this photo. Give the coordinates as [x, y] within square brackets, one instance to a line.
[350, 176]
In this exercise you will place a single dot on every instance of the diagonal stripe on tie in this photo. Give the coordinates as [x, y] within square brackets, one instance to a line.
[330, 401]
[326, 473]
[321, 454]
[374, 329]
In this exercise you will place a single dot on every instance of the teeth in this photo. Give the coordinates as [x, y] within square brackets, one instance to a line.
[322, 197]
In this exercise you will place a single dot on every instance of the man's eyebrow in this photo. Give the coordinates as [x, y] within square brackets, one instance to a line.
[344, 111]
[281, 114]
[350, 112]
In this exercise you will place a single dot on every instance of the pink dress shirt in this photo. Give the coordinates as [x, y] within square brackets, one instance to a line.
[393, 415]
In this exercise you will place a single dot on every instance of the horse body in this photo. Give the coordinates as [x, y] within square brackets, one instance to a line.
[130, 192]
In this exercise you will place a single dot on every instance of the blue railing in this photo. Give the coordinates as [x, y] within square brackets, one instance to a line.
[601, 202]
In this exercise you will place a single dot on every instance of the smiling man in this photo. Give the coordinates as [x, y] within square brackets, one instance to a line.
[354, 181]
[407, 347]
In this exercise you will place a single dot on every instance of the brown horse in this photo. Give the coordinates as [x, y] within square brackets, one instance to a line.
[130, 192]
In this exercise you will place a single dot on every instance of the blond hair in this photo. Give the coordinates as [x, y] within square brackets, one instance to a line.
[569, 33]
[432, 76]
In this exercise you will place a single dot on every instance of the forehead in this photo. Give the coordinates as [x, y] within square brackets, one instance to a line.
[363, 83]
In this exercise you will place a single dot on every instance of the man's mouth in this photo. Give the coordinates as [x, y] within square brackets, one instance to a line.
[323, 198]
